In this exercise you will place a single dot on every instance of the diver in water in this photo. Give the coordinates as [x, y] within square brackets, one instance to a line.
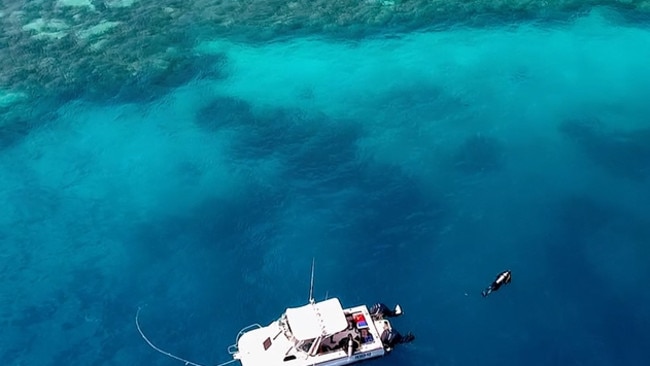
[380, 311]
[503, 278]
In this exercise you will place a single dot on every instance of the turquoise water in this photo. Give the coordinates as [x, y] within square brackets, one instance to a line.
[413, 168]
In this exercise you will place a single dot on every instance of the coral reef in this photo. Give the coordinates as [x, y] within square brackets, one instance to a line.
[97, 48]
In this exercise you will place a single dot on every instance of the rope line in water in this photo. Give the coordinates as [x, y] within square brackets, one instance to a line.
[168, 354]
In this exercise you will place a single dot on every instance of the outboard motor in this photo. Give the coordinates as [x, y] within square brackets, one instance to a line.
[390, 338]
[380, 310]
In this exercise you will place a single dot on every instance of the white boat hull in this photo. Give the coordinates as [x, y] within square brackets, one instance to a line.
[288, 341]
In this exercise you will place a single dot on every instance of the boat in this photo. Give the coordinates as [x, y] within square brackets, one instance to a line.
[315, 334]
[319, 333]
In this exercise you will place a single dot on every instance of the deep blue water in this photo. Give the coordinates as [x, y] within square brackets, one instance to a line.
[412, 168]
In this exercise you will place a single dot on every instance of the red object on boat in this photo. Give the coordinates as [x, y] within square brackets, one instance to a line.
[360, 320]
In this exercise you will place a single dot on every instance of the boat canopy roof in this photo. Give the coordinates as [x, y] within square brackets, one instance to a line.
[317, 319]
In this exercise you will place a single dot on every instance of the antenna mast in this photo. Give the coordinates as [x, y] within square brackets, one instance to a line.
[311, 285]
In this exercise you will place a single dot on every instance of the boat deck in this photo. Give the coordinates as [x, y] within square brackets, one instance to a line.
[362, 329]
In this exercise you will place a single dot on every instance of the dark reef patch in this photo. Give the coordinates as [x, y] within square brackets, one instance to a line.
[479, 154]
[311, 145]
[225, 112]
[14, 131]
[323, 151]
[622, 153]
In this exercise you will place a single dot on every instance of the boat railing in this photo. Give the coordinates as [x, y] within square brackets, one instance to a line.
[232, 349]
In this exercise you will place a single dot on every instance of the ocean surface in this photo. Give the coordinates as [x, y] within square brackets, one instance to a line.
[413, 167]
